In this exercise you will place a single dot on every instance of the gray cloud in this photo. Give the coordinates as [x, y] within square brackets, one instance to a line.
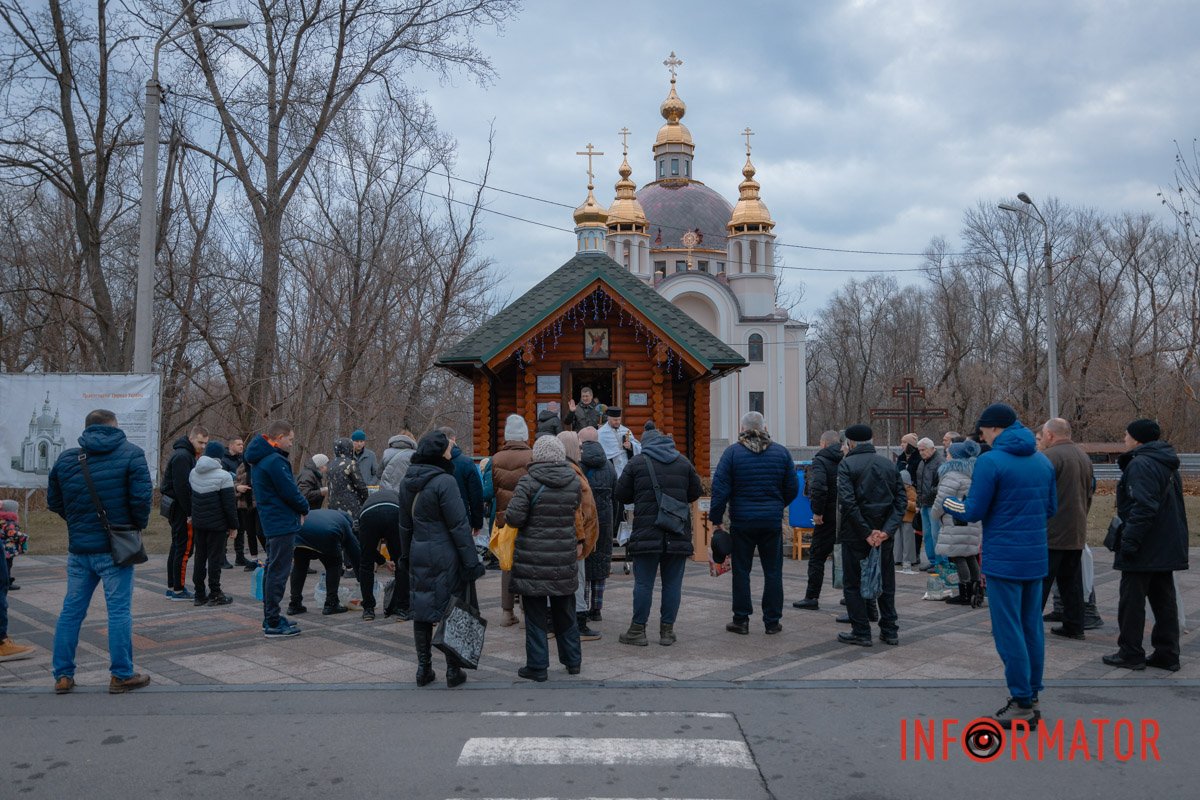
[877, 123]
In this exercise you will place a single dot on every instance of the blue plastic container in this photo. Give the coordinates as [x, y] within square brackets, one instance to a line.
[257, 590]
[800, 511]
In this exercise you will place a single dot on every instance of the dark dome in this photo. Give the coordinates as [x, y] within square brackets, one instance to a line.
[679, 206]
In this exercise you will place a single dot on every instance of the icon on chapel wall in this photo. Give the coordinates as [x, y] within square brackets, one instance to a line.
[595, 343]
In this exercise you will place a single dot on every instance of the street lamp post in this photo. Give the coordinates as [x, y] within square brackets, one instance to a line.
[143, 309]
[1051, 327]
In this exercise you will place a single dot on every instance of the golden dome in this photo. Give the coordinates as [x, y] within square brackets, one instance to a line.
[750, 209]
[626, 209]
[590, 214]
[673, 108]
[673, 132]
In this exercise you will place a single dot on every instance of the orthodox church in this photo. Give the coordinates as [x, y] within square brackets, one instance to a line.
[43, 444]
[716, 262]
[666, 311]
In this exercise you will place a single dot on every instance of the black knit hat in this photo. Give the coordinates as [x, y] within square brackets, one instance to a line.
[997, 415]
[1144, 430]
[860, 433]
[432, 447]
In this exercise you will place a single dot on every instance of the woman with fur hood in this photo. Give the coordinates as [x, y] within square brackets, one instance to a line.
[960, 542]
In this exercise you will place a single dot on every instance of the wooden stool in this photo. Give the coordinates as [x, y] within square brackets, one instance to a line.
[801, 542]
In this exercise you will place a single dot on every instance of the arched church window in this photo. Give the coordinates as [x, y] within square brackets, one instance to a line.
[755, 347]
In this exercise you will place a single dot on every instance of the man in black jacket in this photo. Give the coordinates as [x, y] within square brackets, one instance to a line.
[326, 536]
[176, 486]
[214, 521]
[1153, 543]
[822, 493]
[872, 501]
[379, 521]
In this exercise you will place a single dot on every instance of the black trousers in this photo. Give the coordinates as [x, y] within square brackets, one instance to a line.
[368, 539]
[181, 549]
[1066, 566]
[210, 558]
[541, 612]
[856, 606]
[824, 536]
[248, 533]
[1159, 589]
[333, 574]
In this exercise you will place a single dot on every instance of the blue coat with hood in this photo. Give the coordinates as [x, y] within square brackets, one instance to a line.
[1014, 492]
[280, 504]
[470, 486]
[122, 480]
[756, 479]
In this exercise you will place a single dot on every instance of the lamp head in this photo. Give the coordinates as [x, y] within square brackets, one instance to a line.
[230, 24]
[1024, 198]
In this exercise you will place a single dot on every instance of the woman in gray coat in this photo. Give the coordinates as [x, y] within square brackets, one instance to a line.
[957, 541]
[442, 561]
[545, 559]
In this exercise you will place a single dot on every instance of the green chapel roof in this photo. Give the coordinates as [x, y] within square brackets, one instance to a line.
[530, 309]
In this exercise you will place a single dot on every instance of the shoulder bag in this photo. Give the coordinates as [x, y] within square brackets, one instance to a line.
[673, 515]
[124, 540]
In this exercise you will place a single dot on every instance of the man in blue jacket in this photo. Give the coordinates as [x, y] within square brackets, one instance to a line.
[122, 482]
[756, 480]
[281, 512]
[1014, 492]
[470, 484]
[326, 536]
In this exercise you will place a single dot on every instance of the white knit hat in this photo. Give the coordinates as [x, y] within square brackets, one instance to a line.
[320, 459]
[516, 429]
[549, 448]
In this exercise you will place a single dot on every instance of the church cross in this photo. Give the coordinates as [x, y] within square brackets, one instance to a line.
[908, 392]
[747, 133]
[624, 134]
[589, 152]
[672, 63]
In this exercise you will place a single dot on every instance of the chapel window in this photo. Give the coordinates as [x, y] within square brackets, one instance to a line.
[755, 347]
[757, 402]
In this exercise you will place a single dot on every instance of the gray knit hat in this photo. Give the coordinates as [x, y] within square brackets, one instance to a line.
[549, 448]
[516, 429]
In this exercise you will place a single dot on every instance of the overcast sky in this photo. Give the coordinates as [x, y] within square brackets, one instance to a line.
[877, 123]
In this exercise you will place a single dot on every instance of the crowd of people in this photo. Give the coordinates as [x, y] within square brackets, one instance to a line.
[1000, 518]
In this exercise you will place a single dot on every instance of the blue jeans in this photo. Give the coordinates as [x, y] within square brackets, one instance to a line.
[931, 525]
[645, 567]
[3, 598]
[1016, 609]
[769, 541]
[275, 576]
[84, 573]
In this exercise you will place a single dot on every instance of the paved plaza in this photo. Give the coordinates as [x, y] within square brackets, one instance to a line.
[178, 644]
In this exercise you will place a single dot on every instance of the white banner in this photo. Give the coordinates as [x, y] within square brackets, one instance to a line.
[41, 415]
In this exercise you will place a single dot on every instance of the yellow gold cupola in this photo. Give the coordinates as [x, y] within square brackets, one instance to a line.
[750, 215]
[626, 213]
[673, 147]
[591, 218]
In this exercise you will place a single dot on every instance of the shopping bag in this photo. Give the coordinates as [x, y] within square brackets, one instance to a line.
[502, 543]
[872, 576]
[836, 573]
[624, 531]
[461, 632]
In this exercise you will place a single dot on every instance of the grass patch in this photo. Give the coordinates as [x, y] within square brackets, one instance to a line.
[48, 534]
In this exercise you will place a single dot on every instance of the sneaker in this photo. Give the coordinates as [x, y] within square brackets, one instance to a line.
[122, 685]
[774, 628]
[368, 615]
[178, 595]
[220, 599]
[251, 566]
[849, 638]
[889, 638]
[908, 571]
[739, 626]
[808, 604]
[226, 565]
[199, 599]
[1013, 712]
[64, 684]
[587, 634]
[333, 608]
[1061, 631]
[281, 631]
[296, 608]
[11, 651]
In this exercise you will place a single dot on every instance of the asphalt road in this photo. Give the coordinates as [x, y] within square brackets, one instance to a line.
[589, 741]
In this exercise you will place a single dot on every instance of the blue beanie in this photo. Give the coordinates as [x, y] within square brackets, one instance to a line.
[967, 449]
[214, 450]
[358, 436]
[997, 415]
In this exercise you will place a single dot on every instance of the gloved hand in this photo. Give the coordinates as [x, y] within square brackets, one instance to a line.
[956, 508]
[477, 571]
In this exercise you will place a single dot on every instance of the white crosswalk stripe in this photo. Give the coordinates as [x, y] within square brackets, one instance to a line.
[529, 750]
[626, 714]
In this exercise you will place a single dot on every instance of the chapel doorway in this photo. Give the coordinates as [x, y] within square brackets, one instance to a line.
[603, 382]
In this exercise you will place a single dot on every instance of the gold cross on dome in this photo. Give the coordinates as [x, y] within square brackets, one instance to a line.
[671, 63]
[747, 133]
[589, 152]
[624, 134]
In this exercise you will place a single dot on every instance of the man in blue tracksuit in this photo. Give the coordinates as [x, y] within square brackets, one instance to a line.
[1013, 491]
[281, 511]
[326, 536]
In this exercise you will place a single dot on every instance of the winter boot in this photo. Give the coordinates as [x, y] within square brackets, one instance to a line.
[636, 635]
[423, 635]
[977, 594]
[1015, 711]
[1091, 614]
[666, 634]
[455, 675]
[965, 593]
